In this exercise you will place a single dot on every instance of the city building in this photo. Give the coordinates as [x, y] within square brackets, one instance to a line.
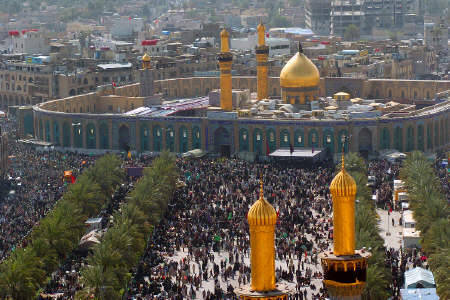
[317, 16]
[345, 13]
[38, 80]
[32, 42]
[436, 37]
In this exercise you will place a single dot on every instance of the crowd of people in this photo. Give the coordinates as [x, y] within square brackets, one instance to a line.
[33, 184]
[200, 250]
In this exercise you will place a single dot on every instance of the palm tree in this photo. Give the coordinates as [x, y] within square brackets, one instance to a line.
[376, 284]
[431, 212]
[107, 173]
[62, 229]
[98, 282]
[87, 195]
[21, 275]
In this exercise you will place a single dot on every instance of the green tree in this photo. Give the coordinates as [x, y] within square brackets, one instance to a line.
[21, 276]
[430, 209]
[107, 173]
[108, 268]
[351, 33]
[87, 195]
[62, 230]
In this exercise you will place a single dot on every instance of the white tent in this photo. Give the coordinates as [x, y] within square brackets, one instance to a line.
[419, 278]
[2, 114]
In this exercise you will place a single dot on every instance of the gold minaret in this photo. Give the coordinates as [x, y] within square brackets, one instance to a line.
[262, 219]
[225, 59]
[262, 54]
[344, 268]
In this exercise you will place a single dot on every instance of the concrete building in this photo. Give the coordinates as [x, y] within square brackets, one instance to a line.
[317, 16]
[24, 83]
[30, 42]
[277, 46]
[436, 37]
[345, 13]
[126, 27]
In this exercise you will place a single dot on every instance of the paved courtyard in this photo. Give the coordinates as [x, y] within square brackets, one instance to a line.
[394, 239]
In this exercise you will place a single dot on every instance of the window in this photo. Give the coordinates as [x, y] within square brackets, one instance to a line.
[258, 137]
[299, 139]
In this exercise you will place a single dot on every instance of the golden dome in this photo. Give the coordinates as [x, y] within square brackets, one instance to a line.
[343, 184]
[262, 212]
[146, 57]
[299, 71]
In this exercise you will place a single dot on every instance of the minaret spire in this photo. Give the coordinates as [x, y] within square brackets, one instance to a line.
[262, 66]
[225, 59]
[344, 268]
[262, 220]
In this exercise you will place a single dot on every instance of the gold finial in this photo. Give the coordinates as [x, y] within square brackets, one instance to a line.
[343, 161]
[261, 34]
[225, 47]
[261, 189]
[300, 48]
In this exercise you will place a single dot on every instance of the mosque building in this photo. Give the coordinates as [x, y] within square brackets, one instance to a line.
[248, 116]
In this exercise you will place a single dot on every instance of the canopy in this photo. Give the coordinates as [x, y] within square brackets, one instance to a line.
[2, 114]
[416, 294]
[297, 153]
[197, 153]
[419, 277]
[90, 239]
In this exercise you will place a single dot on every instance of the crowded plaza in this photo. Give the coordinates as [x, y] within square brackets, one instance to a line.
[200, 249]
[34, 184]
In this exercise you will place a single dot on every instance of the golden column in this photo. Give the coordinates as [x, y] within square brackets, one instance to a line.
[344, 268]
[225, 59]
[262, 54]
[262, 219]
[343, 192]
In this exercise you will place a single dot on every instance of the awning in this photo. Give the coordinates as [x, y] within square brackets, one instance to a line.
[197, 153]
[91, 239]
[419, 277]
[416, 294]
[35, 142]
[298, 153]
